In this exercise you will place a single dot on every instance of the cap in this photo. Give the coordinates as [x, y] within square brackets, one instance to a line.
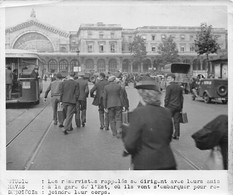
[148, 84]
[72, 74]
[111, 78]
[58, 75]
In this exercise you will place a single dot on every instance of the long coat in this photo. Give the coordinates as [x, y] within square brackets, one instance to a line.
[99, 88]
[148, 138]
[83, 88]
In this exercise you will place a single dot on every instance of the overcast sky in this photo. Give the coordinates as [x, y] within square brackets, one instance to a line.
[68, 16]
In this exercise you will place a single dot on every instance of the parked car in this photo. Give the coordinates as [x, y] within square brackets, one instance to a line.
[212, 89]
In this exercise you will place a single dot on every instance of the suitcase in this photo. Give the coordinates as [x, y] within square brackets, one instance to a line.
[183, 117]
[60, 113]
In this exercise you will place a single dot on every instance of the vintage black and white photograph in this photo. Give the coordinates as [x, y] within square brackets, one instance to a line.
[115, 97]
[116, 86]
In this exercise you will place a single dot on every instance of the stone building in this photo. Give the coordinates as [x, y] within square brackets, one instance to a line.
[104, 47]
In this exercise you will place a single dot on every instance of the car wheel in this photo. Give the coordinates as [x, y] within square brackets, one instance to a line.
[222, 90]
[224, 101]
[206, 98]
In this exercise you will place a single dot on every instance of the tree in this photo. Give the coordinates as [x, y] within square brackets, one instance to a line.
[168, 51]
[206, 42]
[138, 49]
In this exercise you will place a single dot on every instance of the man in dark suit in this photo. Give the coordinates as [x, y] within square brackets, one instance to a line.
[174, 102]
[113, 105]
[98, 100]
[81, 104]
[69, 96]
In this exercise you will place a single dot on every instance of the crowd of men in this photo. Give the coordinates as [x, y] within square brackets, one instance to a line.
[70, 95]
[69, 98]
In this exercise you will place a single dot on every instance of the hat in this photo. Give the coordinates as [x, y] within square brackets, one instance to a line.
[117, 80]
[102, 75]
[72, 74]
[58, 75]
[147, 84]
[111, 78]
[81, 74]
[171, 75]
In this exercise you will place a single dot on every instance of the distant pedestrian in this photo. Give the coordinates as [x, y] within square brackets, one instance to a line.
[69, 96]
[174, 102]
[55, 88]
[148, 136]
[113, 105]
[9, 82]
[98, 88]
[81, 104]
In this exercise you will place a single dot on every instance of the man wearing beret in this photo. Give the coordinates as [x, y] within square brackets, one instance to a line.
[55, 87]
[69, 96]
[174, 102]
[113, 105]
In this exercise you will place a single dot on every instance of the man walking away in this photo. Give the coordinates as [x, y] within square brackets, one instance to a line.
[9, 82]
[174, 102]
[98, 100]
[113, 105]
[55, 87]
[81, 104]
[69, 96]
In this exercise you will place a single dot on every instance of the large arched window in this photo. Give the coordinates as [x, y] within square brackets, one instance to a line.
[35, 42]
[73, 63]
[101, 66]
[89, 65]
[113, 65]
[53, 67]
[126, 65]
[136, 67]
[146, 65]
[63, 65]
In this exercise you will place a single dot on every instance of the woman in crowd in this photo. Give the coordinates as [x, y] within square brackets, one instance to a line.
[148, 136]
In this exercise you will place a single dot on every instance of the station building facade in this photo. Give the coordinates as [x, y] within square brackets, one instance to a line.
[105, 47]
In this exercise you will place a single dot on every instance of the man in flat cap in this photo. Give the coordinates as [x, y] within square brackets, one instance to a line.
[81, 104]
[113, 105]
[69, 96]
[55, 87]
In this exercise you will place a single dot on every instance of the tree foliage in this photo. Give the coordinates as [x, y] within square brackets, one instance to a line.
[206, 42]
[168, 51]
[138, 49]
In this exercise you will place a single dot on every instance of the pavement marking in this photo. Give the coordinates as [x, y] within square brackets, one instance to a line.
[189, 162]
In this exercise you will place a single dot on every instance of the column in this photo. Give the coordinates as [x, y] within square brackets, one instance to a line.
[107, 64]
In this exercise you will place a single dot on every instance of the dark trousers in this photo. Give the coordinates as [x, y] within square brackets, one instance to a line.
[115, 119]
[103, 117]
[81, 108]
[54, 102]
[8, 91]
[69, 110]
[175, 113]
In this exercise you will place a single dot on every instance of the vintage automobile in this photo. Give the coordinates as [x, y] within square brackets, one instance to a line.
[212, 89]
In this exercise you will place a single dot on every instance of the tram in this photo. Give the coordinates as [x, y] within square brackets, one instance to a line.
[182, 73]
[26, 67]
